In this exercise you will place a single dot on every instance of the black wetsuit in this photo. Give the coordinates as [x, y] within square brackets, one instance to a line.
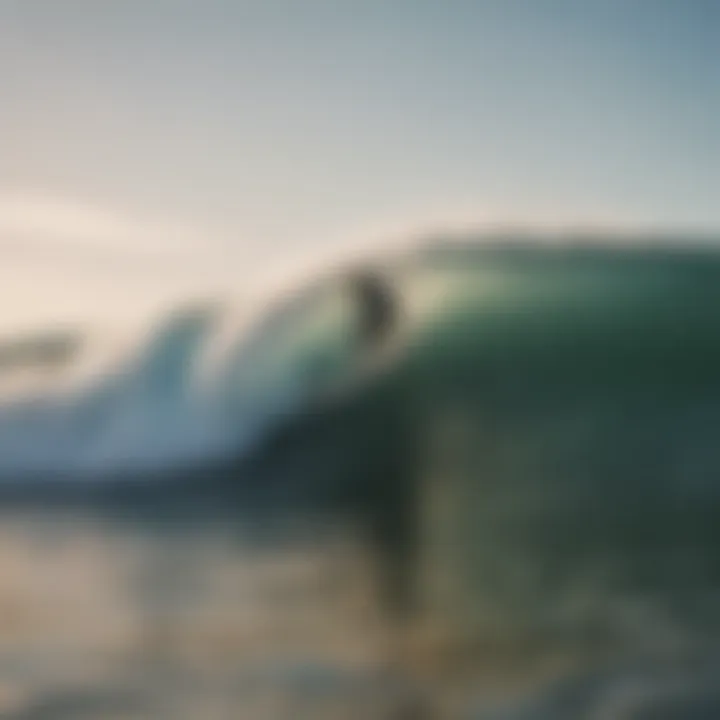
[377, 309]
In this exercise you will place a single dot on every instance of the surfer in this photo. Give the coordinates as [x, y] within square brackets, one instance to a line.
[372, 335]
[377, 307]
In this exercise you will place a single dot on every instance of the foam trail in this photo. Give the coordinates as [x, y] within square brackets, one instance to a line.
[142, 414]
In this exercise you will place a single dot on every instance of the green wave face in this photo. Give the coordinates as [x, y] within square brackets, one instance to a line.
[568, 410]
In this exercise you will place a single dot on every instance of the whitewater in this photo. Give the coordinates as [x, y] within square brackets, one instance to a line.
[205, 382]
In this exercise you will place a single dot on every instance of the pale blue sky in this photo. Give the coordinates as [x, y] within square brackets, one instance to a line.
[152, 147]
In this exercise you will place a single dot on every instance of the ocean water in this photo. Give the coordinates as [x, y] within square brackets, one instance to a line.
[533, 472]
[102, 620]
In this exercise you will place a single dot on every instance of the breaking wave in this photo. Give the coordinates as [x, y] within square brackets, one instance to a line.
[166, 404]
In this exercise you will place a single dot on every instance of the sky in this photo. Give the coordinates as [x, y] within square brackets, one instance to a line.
[158, 149]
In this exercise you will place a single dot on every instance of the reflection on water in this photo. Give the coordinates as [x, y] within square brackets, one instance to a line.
[109, 620]
[100, 620]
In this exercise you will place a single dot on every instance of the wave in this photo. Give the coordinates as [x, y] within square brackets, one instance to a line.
[164, 406]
